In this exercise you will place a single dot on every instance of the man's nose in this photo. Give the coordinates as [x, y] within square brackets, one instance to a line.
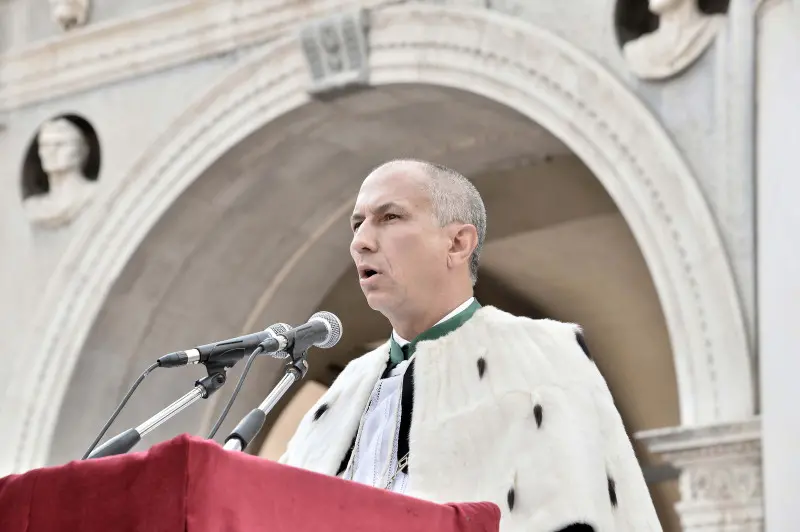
[364, 240]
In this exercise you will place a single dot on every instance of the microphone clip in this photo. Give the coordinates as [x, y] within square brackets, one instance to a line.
[214, 380]
[296, 362]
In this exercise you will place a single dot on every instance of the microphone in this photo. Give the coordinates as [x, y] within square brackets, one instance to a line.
[228, 352]
[125, 441]
[323, 330]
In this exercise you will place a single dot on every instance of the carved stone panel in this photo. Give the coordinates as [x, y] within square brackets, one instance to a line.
[721, 480]
[336, 51]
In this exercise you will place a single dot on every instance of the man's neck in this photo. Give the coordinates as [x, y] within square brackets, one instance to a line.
[414, 324]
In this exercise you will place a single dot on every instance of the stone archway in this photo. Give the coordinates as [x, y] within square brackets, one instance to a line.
[607, 127]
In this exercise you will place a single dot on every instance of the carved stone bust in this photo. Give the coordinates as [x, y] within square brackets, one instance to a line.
[69, 14]
[683, 34]
[62, 151]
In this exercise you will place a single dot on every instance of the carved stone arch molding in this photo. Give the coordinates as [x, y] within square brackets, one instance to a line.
[506, 60]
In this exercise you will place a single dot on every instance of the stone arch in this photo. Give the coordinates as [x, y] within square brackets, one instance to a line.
[555, 84]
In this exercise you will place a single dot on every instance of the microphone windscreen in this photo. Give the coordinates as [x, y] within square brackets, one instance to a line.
[334, 328]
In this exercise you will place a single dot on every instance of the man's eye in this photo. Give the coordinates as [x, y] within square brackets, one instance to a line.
[356, 226]
[391, 217]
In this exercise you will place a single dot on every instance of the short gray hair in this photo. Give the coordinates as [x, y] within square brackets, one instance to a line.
[455, 199]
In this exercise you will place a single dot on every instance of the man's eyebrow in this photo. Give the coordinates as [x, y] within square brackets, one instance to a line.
[380, 209]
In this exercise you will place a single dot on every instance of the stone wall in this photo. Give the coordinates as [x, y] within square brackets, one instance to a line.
[172, 88]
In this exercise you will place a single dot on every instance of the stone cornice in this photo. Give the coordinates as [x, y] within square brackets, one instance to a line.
[153, 40]
[685, 439]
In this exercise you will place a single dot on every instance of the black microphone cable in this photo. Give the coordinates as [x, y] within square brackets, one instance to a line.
[239, 384]
[278, 328]
[128, 395]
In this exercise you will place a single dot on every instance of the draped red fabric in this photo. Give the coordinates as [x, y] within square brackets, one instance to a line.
[193, 485]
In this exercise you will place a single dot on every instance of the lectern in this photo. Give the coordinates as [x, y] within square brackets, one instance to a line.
[193, 485]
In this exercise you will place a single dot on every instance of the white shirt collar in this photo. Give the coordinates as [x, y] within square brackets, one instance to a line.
[402, 341]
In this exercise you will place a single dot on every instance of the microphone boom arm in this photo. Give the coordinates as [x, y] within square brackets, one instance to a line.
[203, 389]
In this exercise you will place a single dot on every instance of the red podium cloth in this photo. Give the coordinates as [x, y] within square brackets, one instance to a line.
[193, 485]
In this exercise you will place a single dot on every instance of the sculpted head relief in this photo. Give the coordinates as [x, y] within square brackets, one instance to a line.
[69, 13]
[684, 32]
[62, 148]
[63, 151]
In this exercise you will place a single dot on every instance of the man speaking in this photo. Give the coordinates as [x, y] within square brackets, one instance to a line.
[466, 403]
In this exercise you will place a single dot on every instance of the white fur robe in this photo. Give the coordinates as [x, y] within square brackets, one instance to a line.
[508, 410]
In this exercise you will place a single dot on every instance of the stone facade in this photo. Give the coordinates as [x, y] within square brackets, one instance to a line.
[169, 89]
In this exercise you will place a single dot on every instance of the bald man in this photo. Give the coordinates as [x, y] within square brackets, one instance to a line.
[464, 402]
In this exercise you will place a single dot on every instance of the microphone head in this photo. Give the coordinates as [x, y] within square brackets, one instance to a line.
[333, 325]
[275, 330]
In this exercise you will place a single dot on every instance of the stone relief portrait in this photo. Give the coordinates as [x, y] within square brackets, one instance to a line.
[69, 14]
[661, 38]
[60, 172]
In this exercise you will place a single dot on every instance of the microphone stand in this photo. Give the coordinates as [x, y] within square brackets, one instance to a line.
[203, 389]
[248, 428]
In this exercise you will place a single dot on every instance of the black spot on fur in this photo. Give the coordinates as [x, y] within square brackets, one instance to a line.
[321, 410]
[582, 343]
[577, 527]
[612, 491]
[538, 412]
[481, 367]
[511, 496]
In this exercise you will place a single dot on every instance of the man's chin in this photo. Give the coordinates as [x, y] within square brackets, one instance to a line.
[376, 300]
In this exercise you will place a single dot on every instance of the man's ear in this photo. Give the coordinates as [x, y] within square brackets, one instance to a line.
[463, 241]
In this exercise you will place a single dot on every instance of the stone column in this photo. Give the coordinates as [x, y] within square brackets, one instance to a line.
[779, 258]
[720, 480]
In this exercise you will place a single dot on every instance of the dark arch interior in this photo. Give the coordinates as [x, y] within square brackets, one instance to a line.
[557, 247]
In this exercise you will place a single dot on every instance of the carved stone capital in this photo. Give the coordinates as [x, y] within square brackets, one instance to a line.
[720, 481]
[336, 51]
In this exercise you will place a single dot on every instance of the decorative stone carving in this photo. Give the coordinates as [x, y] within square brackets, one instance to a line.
[63, 151]
[720, 482]
[336, 51]
[683, 34]
[155, 40]
[69, 14]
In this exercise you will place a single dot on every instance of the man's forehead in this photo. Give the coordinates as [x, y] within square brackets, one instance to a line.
[403, 185]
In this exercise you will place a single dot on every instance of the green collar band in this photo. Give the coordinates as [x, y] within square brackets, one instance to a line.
[397, 354]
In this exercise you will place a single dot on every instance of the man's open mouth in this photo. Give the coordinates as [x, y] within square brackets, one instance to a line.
[366, 273]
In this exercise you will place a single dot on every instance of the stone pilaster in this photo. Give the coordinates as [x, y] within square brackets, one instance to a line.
[720, 480]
